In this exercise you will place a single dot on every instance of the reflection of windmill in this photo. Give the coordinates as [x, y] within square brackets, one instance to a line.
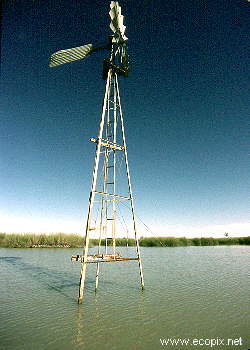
[109, 190]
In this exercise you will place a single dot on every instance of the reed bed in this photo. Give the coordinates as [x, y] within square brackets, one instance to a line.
[62, 240]
[183, 241]
[32, 240]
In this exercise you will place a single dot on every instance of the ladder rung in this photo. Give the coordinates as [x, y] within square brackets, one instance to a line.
[109, 183]
[110, 166]
[113, 194]
[110, 219]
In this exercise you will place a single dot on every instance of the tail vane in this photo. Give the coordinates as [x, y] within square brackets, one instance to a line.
[64, 56]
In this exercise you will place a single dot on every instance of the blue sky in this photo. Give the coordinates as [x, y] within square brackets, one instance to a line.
[185, 106]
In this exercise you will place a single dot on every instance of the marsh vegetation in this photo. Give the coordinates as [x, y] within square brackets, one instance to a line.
[62, 240]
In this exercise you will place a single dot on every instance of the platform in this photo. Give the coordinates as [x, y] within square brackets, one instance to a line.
[97, 258]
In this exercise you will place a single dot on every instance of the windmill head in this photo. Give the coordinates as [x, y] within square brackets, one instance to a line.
[116, 25]
[116, 45]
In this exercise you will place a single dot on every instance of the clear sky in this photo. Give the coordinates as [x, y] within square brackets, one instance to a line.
[185, 103]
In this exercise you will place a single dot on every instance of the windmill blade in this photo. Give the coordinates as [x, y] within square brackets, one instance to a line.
[69, 55]
[116, 25]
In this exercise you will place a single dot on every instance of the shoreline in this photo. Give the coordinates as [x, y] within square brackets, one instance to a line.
[63, 240]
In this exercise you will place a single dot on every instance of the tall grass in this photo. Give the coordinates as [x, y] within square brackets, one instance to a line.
[62, 240]
[183, 241]
[32, 240]
[120, 242]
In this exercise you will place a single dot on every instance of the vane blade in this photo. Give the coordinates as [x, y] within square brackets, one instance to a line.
[69, 55]
[116, 25]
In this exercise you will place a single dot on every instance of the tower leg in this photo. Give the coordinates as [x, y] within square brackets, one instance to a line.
[92, 193]
[141, 274]
[97, 276]
[129, 186]
[81, 284]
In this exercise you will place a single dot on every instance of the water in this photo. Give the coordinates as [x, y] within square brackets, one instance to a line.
[191, 292]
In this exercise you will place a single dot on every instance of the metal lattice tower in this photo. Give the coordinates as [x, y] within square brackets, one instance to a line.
[111, 168]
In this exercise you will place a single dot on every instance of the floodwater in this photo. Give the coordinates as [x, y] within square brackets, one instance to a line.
[195, 293]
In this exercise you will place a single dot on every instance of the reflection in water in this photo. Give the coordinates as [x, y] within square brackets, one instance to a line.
[53, 280]
[80, 326]
[93, 327]
[10, 259]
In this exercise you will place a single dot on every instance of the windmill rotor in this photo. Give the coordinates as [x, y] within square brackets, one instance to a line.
[116, 24]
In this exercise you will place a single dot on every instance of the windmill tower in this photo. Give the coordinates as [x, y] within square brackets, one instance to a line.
[111, 183]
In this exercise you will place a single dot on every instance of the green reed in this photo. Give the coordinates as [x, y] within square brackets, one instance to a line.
[63, 240]
[32, 240]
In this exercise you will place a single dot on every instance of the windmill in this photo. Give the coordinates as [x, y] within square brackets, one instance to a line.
[108, 191]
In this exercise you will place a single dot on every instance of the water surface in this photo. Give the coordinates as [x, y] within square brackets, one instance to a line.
[191, 292]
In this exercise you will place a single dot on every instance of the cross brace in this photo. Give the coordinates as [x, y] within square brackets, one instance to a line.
[108, 144]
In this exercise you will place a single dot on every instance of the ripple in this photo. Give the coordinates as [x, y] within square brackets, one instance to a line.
[190, 292]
